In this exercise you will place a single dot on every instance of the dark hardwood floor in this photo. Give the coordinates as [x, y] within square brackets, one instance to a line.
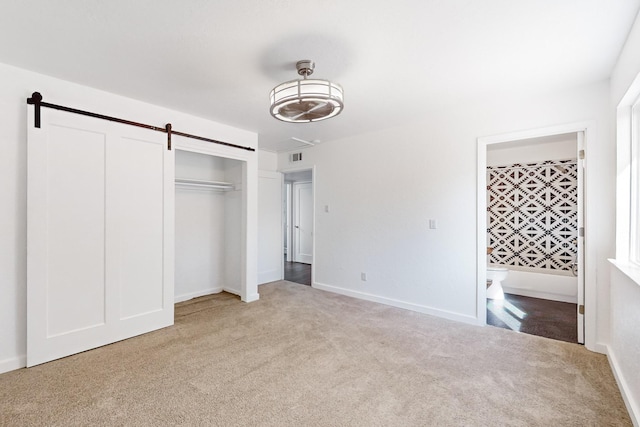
[535, 316]
[297, 272]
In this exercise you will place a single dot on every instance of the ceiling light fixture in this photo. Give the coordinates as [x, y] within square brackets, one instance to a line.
[306, 100]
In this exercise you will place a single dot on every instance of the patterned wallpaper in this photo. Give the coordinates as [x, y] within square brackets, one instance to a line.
[532, 215]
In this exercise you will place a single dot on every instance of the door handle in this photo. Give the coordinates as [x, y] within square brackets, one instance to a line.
[297, 226]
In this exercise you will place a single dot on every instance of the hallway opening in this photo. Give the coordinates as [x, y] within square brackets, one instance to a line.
[298, 226]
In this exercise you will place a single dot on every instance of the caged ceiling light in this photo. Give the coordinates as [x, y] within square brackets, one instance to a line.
[306, 100]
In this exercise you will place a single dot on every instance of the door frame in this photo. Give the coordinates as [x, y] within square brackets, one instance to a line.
[287, 188]
[285, 171]
[588, 255]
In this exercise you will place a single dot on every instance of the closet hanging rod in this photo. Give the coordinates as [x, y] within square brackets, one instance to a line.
[209, 184]
[36, 101]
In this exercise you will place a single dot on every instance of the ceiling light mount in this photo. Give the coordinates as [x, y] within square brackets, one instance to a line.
[305, 67]
[306, 100]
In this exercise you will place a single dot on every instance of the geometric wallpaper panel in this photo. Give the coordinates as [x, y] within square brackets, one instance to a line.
[532, 215]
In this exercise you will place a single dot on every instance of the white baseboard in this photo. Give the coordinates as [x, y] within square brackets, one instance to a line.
[632, 407]
[269, 276]
[399, 304]
[231, 291]
[200, 293]
[598, 348]
[542, 295]
[12, 364]
[252, 297]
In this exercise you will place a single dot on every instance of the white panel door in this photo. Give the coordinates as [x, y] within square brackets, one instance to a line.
[100, 234]
[303, 222]
[580, 267]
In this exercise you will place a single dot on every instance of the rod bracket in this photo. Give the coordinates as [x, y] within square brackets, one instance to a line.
[36, 101]
[168, 129]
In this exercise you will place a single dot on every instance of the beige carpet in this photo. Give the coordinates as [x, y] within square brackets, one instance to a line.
[304, 357]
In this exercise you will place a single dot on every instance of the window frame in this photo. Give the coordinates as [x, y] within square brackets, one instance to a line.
[627, 200]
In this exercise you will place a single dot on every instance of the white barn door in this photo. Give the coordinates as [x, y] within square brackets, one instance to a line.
[100, 234]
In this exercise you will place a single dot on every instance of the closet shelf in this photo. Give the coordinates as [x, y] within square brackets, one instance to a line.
[215, 185]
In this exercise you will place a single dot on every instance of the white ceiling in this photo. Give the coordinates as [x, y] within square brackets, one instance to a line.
[396, 60]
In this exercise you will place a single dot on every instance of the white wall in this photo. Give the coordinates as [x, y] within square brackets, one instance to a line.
[561, 148]
[233, 233]
[267, 161]
[624, 347]
[628, 64]
[270, 244]
[383, 187]
[15, 86]
[199, 232]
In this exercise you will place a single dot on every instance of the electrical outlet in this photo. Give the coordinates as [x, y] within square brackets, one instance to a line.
[363, 277]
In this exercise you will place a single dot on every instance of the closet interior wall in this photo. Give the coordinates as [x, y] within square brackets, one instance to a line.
[207, 226]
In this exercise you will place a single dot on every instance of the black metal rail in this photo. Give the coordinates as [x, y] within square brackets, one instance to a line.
[36, 101]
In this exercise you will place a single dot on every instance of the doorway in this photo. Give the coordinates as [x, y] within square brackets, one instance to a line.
[298, 236]
[211, 220]
[529, 232]
[208, 204]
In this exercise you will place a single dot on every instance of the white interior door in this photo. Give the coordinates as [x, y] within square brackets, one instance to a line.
[580, 239]
[303, 222]
[287, 223]
[100, 234]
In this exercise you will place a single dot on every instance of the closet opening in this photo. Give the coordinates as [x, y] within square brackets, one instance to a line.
[208, 225]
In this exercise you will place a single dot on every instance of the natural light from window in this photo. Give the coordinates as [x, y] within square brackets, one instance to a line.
[507, 313]
[634, 237]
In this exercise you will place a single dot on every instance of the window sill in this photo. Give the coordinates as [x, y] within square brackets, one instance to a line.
[632, 271]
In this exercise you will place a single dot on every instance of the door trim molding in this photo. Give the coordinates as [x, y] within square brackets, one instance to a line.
[249, 222]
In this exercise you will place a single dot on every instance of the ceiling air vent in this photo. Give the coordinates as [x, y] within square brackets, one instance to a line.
[295, 157]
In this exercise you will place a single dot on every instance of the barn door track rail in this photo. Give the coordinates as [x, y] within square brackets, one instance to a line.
[36, 101]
